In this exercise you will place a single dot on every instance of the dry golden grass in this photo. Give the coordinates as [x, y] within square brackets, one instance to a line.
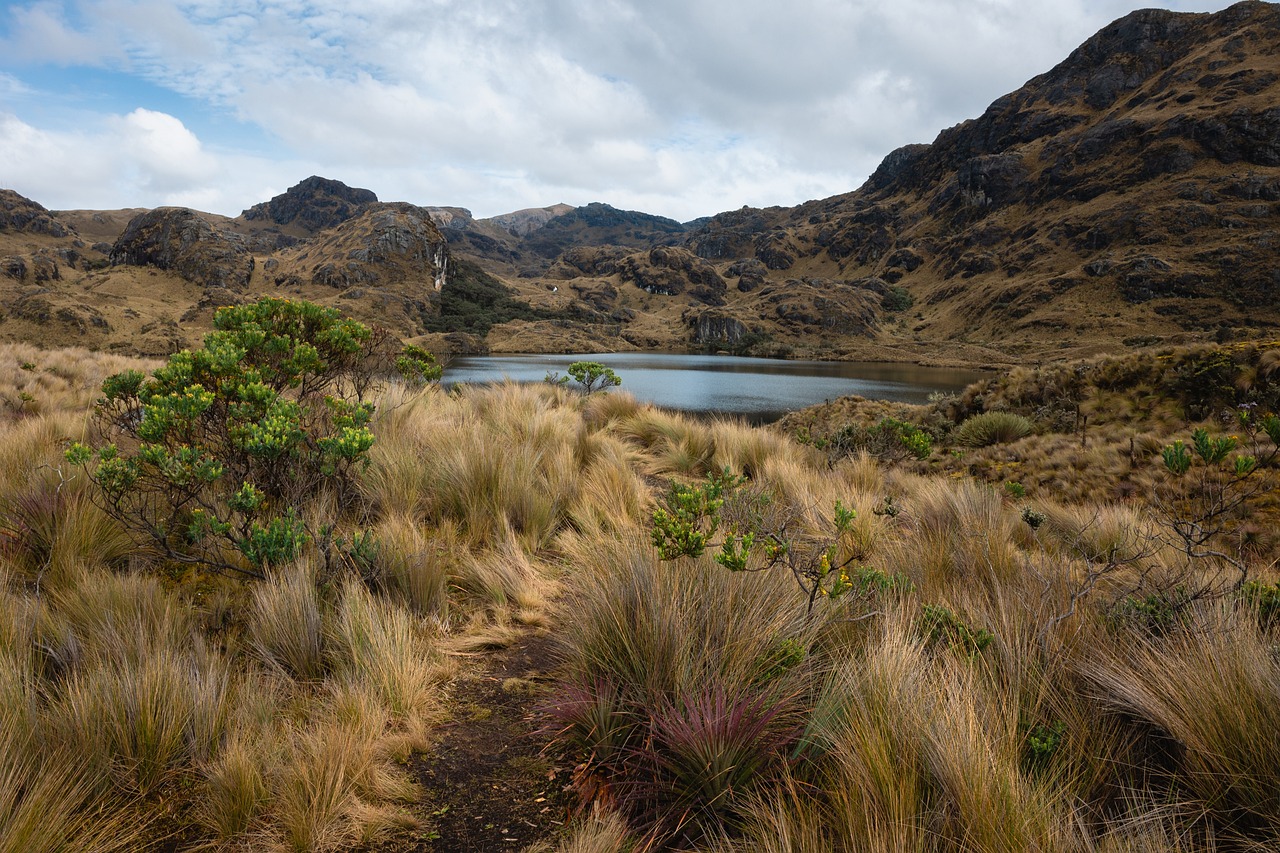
[277, 710]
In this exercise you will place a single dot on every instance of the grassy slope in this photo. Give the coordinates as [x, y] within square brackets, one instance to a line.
[272, 715]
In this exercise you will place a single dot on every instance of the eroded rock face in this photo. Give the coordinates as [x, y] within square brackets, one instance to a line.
[386, 243]
[21, 214]
[669, 271]
[180, 240]
[588, 261]
[314, 204]
[712, 326]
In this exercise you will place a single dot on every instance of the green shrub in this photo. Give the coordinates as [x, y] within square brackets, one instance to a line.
[897, 299]
[1263, 598]
[889, 439]
[209, 457]
[593, 376]
[941, 626]
[992, 428]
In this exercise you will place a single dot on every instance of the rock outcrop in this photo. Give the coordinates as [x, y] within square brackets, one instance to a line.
[183, 241]
[22, 215]
[313, 205]
[667, 271]
[386, 243]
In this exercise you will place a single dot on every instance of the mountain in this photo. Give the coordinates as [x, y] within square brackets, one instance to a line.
[1129, 196]
[1129, 192]
[312, 205]
[526, 243]
[1126, 197]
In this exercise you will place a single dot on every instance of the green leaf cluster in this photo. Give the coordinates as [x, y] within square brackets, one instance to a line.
[593, 376]
[216, 449]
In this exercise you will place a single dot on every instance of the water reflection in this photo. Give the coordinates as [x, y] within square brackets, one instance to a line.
[759, 389]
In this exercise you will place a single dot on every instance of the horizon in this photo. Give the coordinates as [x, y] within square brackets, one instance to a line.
[674, 110]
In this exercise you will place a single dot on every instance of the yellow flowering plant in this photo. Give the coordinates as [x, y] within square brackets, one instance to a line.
[208, 456]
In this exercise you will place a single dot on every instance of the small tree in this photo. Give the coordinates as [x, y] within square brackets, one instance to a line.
[211, 455]
[593, 376]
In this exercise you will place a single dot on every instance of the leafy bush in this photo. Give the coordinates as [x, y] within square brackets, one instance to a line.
[941, 626]
[889, 439]
[1265, 599]
[993, 428]
[220, 445]
[897, 299]
[593, 376]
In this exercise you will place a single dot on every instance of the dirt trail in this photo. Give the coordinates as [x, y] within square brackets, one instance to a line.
[489, 784]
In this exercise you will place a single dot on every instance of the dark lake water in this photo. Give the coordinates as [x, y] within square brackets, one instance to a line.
[759, 389]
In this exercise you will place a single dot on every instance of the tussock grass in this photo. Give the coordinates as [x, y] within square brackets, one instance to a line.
[711, 709]
[961, 532]
[380, 645]
[992, 428]
[235, 793]
[602, 832]
[286, 628]
[49, 803]
[416, 566]
[318, 787]
[1216, 694]
[525, 486]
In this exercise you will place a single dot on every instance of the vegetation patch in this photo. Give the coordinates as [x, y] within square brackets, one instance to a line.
[474, 301]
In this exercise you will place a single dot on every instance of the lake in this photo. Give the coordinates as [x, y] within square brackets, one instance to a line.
[758, 389]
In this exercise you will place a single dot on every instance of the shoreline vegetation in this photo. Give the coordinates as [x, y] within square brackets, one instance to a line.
[1040, 614]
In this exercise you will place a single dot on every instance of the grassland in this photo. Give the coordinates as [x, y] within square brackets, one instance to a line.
[1029, 656]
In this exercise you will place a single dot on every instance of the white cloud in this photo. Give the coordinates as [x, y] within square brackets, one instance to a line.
[683, 108]
[143, 159]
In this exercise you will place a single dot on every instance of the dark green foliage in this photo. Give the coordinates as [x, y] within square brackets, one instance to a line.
[691, 516]
[1264, 599]
[473, 301]
[782, 658]
[865, 580]
[889, 439]
[415, 365]
[1042, 741]
[942, 627]
[897, 299]
[593, 376]
[215, 451]
[1204, 382]
[1155, 613]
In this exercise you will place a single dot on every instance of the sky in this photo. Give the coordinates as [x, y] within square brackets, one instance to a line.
[682, 108]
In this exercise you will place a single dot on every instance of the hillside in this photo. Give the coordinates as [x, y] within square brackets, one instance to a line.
[1127, 197]
[1124, 198]
[1127, 194]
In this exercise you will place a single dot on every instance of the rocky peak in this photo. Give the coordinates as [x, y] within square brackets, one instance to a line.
[21, 214]
[521, 223]
[314, 204]
[386, 242]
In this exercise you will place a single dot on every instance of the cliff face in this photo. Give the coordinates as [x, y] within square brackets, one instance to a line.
[182, 241]
[1139, 177]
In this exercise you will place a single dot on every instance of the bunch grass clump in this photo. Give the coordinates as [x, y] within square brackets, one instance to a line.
[990, 428]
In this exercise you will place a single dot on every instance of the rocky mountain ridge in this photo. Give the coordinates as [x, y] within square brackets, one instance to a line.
[1128, 196]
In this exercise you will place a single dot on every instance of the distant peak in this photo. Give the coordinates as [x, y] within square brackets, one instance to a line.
[314, 204]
